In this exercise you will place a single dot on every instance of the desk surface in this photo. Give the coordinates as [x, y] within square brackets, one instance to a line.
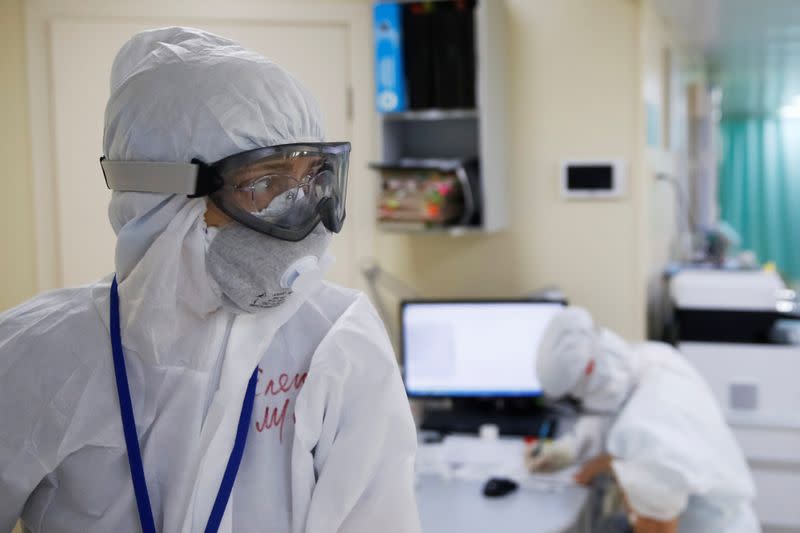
[458, 506]
[453, 503]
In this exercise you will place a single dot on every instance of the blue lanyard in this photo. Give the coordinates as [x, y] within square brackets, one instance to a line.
[132, 439]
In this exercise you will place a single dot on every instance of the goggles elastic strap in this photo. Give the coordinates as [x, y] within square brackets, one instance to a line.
[208, 179]
[194, 180]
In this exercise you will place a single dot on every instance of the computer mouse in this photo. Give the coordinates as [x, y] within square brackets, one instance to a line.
[499, 486]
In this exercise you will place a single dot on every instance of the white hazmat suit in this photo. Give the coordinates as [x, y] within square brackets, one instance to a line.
[331, 443]
[673, 454]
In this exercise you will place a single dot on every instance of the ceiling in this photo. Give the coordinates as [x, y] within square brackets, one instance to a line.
[752, 48]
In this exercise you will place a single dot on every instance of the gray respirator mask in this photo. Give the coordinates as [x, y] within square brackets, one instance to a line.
[257, 272]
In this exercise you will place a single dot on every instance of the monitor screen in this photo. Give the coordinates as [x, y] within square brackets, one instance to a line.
[473, 349]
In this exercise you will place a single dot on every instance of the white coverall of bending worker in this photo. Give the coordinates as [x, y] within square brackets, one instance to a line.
[261, 398]
[667, 444]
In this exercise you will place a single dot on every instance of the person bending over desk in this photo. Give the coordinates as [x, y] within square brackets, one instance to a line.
[667, 446]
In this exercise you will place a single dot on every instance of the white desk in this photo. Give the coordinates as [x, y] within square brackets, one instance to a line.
[456, 504]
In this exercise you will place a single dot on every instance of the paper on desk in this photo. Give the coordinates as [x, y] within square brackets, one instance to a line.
[467, 457]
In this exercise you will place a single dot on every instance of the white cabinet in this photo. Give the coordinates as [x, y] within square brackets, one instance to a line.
[757, 388]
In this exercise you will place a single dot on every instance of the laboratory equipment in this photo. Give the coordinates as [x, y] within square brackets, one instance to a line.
[736, 328]
[739, 306]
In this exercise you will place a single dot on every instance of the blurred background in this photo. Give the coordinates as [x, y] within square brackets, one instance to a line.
[640, 158]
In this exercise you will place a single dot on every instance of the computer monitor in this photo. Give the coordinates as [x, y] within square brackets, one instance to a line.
[483, 349]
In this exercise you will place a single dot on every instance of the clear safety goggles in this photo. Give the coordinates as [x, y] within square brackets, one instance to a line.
[283, 191]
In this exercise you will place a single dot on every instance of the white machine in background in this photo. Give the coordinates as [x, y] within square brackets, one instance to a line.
[738, 329]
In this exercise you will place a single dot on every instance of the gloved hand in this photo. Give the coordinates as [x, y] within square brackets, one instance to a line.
[550, 456]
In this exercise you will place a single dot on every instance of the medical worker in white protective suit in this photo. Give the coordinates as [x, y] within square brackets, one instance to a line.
[218, 384]
[667, 444]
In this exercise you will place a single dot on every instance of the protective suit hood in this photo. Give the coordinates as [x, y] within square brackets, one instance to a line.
[177, 94]
[594, 365]
[209, 98]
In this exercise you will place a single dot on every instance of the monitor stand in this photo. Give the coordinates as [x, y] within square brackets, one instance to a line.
[512, 416]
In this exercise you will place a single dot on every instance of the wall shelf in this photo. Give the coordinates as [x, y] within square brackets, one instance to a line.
[464, 135]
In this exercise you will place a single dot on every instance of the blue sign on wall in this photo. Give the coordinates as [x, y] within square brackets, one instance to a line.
[390, 93]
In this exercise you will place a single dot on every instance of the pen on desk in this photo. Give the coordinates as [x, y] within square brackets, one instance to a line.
[544, 430]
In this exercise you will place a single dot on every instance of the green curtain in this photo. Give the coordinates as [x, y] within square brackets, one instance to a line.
[760, 188]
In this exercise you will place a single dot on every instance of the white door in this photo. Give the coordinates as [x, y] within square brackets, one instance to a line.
[82, 51]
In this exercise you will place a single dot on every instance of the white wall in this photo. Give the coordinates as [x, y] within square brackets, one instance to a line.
[17, 265]
[667, 86]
